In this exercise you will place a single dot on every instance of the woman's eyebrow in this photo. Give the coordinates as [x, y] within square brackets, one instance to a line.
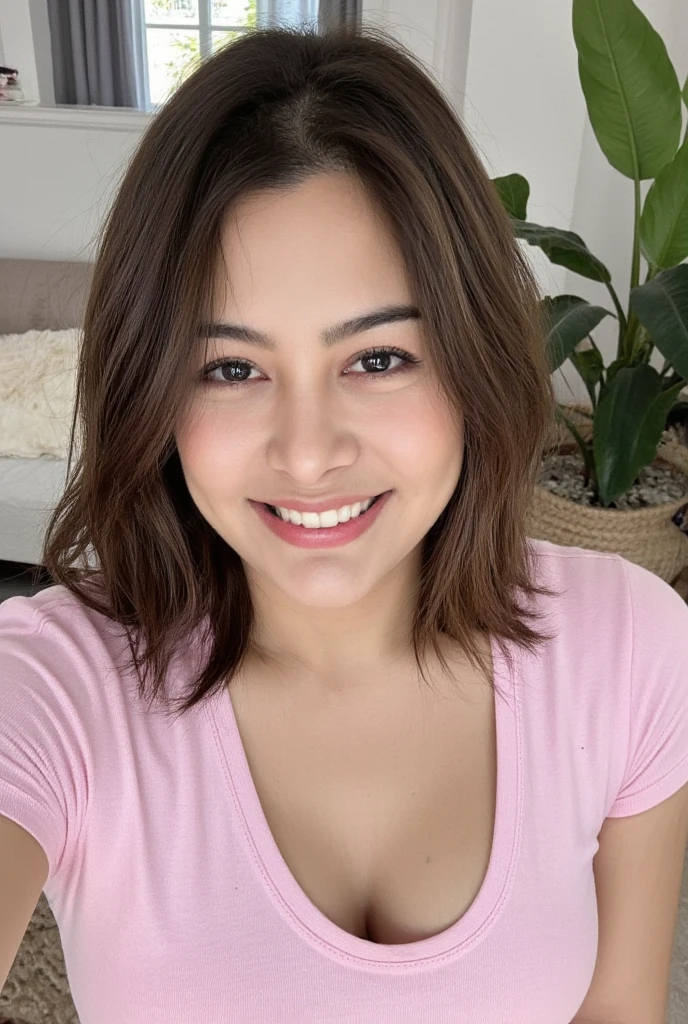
[330, 336]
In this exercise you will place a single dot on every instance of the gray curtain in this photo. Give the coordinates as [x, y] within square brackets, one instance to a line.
[93, 46]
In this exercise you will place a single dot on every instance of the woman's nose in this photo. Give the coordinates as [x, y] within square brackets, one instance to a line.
[310, 435]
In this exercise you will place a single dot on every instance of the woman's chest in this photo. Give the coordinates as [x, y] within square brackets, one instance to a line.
[383, 814]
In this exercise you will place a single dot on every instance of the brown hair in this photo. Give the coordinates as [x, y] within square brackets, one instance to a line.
[266, 112]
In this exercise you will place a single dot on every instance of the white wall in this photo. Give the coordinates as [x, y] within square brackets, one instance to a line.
[510, 71]
[58, 179]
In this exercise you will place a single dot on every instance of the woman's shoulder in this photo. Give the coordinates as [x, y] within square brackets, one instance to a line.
[597, 577]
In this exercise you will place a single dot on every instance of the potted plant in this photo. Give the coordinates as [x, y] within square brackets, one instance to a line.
[634, 102]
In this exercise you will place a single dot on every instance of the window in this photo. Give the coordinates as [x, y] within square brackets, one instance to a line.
[180, 33]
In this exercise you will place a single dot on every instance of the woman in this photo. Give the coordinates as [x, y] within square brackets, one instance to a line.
[313, 399]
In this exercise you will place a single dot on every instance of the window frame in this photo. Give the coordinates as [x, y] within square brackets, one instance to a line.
[204, 26]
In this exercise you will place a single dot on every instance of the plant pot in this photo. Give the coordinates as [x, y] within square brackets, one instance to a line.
[646, 536]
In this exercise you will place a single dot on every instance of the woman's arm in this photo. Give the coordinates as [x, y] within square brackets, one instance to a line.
[638, 871]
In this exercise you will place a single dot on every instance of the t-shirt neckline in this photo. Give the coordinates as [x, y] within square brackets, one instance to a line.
[292, 902]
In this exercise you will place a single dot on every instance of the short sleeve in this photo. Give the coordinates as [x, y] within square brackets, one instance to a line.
[657, 732]
[40, 781]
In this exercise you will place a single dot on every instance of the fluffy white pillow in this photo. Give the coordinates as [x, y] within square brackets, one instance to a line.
[37, 392]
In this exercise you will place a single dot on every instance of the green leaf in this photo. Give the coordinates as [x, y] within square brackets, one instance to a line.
[664, 220]
[661, 305]
[568, 319]
[628, 425]
[630, 86]
[684, 92]
[590, 366]
[565, 248]
[514, 192]
[614, 367]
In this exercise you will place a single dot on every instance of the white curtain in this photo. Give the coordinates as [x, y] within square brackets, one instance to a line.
[294, 13]
[320, 14]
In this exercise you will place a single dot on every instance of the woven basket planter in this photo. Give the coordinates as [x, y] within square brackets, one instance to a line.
[646, 536]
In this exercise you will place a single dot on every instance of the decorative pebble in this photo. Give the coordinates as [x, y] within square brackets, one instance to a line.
[563, 473]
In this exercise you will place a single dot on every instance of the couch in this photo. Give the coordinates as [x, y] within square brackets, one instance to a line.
[35, 295]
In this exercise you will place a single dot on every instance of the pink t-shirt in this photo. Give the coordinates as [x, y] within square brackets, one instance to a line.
[173, 902]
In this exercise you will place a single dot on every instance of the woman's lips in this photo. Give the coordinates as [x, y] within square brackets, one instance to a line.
[324, 536]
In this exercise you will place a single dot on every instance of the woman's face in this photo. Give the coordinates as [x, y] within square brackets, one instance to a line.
[307, 420]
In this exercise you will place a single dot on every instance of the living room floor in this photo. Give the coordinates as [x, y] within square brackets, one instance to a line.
[16, 578]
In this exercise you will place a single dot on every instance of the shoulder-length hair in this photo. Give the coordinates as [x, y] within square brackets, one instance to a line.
[266, 112]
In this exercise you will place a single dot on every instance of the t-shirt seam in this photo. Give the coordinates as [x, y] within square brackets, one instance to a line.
[655, 782]
[36, 629]
[630, 677]
[607, 555]
[37, 809]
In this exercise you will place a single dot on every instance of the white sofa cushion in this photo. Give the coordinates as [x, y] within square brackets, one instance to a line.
[37, 392]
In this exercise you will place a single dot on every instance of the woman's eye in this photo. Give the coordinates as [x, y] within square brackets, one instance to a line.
[377, 362]
[230, 369]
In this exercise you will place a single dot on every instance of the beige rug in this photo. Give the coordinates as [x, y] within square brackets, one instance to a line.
[36, 991]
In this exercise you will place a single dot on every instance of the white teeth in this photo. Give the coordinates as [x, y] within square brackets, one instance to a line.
[319, 520]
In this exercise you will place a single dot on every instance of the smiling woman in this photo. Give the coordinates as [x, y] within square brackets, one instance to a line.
[312, 402]
[373, 216]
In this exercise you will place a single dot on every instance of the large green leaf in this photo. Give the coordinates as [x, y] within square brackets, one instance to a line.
[661, 305]
[590, 366]
[664, 220]
[568, 319]
[565, 248]
[630, 86]
[628, 425]
[514, 192]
